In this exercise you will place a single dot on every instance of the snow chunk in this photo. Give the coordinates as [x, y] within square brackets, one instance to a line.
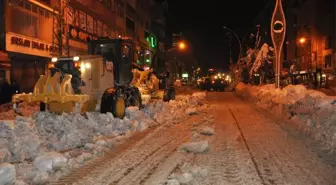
[191, 111]
[18, 182]
[50, 161]
[185, 178]
[41, 178]
[196, 147]
[207, 131]
[7, 174]
[173, 182]
[23, 140]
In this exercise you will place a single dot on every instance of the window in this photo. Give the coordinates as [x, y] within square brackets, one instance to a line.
[82, 20]
[28, 5]
[76, 18]
[120, 9]
[130, 24]
[106, 3]
[89, 24]
[105, 31]
[94, 27]
[328, 42]
[327, 61]
[69, 16]
[34, 8]
[99, 28]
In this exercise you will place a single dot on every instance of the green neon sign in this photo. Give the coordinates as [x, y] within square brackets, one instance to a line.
[152, 41]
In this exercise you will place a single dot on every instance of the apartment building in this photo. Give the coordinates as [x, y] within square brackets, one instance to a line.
[313, 35]
[27, 32]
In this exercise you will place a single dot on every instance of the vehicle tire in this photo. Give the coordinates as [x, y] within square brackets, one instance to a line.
[169, 94]
[136, 101]
[42, 107]
[113, 102]
[119, 107]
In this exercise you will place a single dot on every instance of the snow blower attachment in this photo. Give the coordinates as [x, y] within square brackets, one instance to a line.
[54, 95]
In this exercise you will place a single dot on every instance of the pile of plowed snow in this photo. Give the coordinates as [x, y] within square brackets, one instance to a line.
[44, 147]
[28, 109]
[311, 111]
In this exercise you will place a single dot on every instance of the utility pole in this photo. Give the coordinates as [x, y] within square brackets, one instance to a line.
[230, 48]
[60, 38]
[278, 33]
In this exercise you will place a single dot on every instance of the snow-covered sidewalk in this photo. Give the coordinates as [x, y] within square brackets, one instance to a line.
[310, 111]
[46, 146]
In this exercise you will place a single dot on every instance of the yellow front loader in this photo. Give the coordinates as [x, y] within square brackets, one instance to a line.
[58, 91]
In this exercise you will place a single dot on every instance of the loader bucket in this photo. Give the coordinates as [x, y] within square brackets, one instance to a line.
[58, 96]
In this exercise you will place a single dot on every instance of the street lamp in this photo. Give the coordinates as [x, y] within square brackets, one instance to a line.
[302, 40]
[182, 45]
[240, 45]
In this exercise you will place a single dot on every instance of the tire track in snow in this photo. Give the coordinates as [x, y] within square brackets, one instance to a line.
[248, 148]
[288, 158]
[157, 145]
[228, 160]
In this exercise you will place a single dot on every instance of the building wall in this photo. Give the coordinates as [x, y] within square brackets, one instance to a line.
[314, 21]
[28, 33]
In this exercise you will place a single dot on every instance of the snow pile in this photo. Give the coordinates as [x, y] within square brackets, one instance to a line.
[20, 142]
[196, 147]
[50, 161]
[186, 174]
[47, 146]
[208, 131]
[310, 111]
[28, 109]
[7, 174]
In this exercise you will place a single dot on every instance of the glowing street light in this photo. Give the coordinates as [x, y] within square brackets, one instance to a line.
[182, 45]
[302, 40]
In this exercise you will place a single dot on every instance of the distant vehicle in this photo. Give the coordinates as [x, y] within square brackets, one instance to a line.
[216, 82]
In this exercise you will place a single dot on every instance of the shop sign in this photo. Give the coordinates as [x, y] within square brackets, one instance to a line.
[23, 44]
[80, 35]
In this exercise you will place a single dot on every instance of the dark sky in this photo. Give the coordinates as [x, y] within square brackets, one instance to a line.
[201, 22]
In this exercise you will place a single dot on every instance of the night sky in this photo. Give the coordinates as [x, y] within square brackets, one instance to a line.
[201, 24]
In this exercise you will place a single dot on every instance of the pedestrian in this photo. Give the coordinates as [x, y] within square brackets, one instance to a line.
[15, 87]
[6, 92]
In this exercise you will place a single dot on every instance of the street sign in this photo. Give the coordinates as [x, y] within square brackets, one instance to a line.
[278, 33]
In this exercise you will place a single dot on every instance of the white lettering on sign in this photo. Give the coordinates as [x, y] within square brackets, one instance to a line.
[23, 44]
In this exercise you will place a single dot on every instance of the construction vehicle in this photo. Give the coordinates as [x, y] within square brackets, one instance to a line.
[106, 78]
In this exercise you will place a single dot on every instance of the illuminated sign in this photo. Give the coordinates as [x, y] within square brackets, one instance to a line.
[152, 41]
[30, 43]
[185, 75]
[27, 45]
[80, 35]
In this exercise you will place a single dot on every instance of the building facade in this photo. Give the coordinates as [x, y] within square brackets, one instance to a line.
[311, 35]
[28, 30]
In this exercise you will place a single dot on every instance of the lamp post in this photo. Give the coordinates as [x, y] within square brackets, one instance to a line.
[278, 33]
[240, 45]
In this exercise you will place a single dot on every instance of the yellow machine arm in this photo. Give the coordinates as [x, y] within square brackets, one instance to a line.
[145, 83]
[58, 96]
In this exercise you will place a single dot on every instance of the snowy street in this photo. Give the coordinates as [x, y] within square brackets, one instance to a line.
[230, 143]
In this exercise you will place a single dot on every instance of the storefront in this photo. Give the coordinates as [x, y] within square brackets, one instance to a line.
[27, 59]
[4, 66]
